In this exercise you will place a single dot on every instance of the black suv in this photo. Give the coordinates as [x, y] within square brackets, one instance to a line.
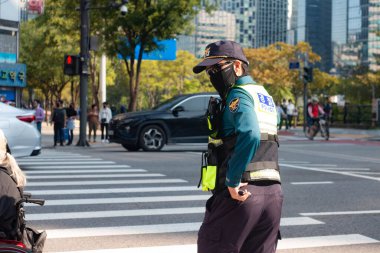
[180, 119]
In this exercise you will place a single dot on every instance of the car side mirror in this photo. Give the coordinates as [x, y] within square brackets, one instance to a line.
[178, 109]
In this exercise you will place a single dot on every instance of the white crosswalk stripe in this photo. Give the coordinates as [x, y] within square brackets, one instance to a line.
[78, 191]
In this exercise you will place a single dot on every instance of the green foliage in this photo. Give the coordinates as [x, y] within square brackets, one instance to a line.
[145, 22]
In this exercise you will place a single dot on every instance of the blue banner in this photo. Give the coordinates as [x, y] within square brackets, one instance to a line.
[12, 75]
[9, 95]
[7, 57]
[166, 51]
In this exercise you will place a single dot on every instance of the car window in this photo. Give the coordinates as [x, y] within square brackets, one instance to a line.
[167, 104]
[195, 104]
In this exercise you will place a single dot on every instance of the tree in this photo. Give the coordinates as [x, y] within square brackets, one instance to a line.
[44, 41]
[146, 22]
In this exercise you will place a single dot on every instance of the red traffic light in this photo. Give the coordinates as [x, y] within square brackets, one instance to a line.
[69, 60]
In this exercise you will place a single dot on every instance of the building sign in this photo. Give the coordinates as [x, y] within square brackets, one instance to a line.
[166, 51]
[7, 57]
[36, 6]
[12, 75]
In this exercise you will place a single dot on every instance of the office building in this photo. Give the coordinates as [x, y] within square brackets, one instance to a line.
[209, 27]
[311, 22]
[355, 35]
[259, 23]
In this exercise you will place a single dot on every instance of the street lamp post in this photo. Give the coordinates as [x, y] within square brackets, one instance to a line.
[84, 55]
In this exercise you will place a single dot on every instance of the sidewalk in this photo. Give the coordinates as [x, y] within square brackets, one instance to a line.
[47, 137]
[339, 133]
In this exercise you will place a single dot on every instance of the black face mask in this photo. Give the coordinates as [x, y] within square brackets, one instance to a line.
[223, 80]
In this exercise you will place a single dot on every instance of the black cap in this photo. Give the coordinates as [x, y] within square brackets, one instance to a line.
[217, 51]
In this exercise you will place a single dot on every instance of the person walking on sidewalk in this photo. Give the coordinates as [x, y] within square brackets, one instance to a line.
[59, 119]
[40, 115]
[93, 122]
[105, 117]
[290, 113]
[71, 116]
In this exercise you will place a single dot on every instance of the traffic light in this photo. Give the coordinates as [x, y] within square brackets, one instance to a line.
[72, 65]
[308, 74]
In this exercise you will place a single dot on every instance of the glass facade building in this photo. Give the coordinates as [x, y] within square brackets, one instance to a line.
[259, 23]
[356, 34]
[218, 25]
[311, 22]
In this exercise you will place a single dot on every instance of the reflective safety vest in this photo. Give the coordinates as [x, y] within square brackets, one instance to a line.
[265, 108]
[264, 164]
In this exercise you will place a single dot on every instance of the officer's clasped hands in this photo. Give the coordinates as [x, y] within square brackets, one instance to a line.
[239, 194]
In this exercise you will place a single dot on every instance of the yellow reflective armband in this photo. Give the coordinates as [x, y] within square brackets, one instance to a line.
[208, 177]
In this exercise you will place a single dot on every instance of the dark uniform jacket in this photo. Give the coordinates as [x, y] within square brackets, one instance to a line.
[9, 196]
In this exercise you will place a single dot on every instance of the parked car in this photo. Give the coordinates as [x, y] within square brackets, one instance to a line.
[180, 119]
[20, 130]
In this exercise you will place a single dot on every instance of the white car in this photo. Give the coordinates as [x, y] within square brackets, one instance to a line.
[20, 130]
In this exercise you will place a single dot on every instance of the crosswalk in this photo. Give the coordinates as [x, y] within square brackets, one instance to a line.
[88, 197]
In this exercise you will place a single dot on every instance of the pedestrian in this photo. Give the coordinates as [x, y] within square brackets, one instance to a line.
[290, 113]
[295, 117]
[93, 122]
[59, 119]
[280, 114]
[284, 117]
[12, 182]
[105, 116]
[123, 109]
[39, 114]
[243, 215]
[328, 111]
[71, 116]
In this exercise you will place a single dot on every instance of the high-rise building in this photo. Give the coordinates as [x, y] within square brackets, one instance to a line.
[209, 27]
[355, 34]
[311, 21]
[259, 23]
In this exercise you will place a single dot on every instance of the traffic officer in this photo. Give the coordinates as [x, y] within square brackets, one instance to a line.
[244, 216]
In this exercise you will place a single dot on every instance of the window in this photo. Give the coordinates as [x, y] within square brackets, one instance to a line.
[195, 104]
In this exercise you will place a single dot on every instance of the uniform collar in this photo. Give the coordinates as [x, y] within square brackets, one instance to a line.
[245, 80]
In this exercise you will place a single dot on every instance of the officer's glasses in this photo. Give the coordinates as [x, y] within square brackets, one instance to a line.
[217, 67]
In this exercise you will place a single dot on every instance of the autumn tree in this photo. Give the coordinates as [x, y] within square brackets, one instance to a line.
[146, 22]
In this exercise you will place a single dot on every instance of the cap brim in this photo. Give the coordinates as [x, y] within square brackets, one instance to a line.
[205, 63]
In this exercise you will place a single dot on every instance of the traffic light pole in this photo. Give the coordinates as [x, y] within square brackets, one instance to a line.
[305, 81]
[84, 54]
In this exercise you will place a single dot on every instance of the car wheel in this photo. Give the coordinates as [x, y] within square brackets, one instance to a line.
[152, 138]
[130, 147]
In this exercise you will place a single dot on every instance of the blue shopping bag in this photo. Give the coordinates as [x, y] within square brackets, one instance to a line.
[65, 132]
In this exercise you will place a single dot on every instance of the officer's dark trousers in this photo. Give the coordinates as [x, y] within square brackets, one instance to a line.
[251, 226]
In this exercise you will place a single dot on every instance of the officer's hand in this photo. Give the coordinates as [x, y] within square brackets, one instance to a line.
[242, 196]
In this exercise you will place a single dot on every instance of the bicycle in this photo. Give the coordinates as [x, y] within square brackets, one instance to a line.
[319, 124]
[28, 239]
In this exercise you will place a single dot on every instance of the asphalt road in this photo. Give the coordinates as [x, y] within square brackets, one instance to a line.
[104, 198]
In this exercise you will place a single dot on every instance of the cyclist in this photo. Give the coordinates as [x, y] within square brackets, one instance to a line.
[315, 111]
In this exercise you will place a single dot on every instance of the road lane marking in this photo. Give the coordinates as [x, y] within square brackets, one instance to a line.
[290, 243]
[324, 241]
[59, 159]
[70, 202]
[353, 169]
[118, 213]
[96, 176]
[67, 162]
[329, 171]
[113, 190]
[310, 183]
[341, 213]
[152, 229]
[75, 167]
[108, 182]
[100, 171]
[333, 155]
